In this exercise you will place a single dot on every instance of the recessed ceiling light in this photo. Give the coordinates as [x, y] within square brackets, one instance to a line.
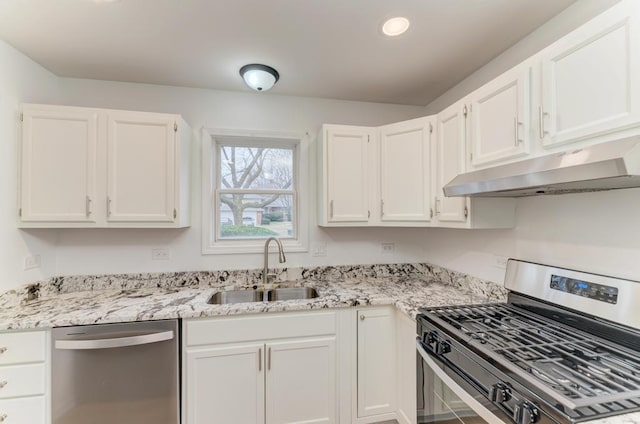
[259, 77]
[395, 26]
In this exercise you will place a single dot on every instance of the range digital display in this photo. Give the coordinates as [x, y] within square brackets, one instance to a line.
[586, 289]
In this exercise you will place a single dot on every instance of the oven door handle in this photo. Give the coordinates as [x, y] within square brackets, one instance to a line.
[114, 341]
[471, 402]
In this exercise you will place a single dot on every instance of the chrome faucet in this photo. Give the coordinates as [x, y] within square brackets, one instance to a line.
[281, 259]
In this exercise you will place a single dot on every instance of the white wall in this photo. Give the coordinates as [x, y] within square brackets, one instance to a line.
[21, 80]
[597, 232]
[86, 251]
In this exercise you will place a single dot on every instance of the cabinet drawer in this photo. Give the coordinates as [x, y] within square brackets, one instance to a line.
[22, 380]
[258, 327]
[23, 347]
[23, 411]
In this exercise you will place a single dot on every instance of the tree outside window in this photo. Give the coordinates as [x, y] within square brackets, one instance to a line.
[256, 191]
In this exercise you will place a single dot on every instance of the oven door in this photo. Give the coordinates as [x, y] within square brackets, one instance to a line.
[442, 400]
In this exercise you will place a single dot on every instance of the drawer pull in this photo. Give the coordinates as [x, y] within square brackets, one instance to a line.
[3, 417]
[2, 350]
[3, 383]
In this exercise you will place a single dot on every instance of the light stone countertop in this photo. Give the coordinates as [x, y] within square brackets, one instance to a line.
[126, 305]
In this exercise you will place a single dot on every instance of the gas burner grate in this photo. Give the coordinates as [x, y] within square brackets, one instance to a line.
[573, 367]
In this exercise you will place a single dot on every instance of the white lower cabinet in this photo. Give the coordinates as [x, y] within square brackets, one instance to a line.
[25, 377]
[376, 359]
[339, 366]
[225, 385]
[301, 381]
[288, 375]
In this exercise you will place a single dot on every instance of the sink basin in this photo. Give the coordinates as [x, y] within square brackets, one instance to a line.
[236, 296]
[241, 296]
[292, 293]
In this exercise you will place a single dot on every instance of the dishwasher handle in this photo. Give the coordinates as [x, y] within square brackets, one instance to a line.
[114, 341]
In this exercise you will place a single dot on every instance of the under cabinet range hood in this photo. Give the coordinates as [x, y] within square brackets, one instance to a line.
[606, 166]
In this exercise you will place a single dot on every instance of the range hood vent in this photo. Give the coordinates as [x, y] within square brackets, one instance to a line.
[606, 166]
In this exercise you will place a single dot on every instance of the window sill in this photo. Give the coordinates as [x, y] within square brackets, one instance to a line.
[253, 246]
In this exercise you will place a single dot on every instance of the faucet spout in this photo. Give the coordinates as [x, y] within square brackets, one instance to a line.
[281, 258]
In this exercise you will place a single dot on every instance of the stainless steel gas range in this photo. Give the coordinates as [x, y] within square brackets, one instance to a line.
[565, 348]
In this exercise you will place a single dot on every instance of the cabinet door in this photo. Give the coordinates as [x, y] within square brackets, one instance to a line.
[591, 78]
[301, 381]
[225, 385]
[141, 167]
[500, 116]
[347, 174]
[58, 173]
[405, 163]
[450, 154]
[376, 362]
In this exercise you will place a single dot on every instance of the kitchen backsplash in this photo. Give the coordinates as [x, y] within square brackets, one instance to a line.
[253, 277]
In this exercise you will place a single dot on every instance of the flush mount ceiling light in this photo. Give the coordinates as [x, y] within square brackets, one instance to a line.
[395, 26]
[259, 77]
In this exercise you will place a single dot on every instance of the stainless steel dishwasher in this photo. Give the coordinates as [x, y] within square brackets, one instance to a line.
[116, 373]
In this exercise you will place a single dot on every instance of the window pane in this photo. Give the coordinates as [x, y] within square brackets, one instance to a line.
[255, 216]
[259, 168]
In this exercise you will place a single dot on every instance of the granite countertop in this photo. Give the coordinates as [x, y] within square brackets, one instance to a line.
[407, 293]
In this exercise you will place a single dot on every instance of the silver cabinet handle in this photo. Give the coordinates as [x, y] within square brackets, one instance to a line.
[3, 383]
[362, 317]
[3, 349]
[108, 206]
[437, 202]
[269, 359]
[3, 417]
[87, 205]
[381, 208]
[541, 115]
[260, 359]
[516, 130]
[331, 209]
[114, 342]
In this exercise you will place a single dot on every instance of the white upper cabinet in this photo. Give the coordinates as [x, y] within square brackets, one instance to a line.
[84, 167]
[141, 156]
[500, 118]
[345, 167]
[591, 78]
[58, 173]
[450, 158]
[405, 164]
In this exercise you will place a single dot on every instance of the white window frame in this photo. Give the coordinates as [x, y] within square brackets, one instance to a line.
[211, 244]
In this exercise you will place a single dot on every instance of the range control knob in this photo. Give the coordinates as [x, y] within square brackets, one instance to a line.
[526, 413]
[443, 347]
[500, 393]
[431, 337]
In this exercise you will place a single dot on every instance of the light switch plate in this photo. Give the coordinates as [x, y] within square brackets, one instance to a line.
[319, 249]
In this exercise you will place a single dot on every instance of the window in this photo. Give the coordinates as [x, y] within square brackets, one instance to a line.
[252, 186]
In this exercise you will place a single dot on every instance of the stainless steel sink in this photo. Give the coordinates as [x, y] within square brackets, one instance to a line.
[236, 296]
[292, 293]
[241, 296]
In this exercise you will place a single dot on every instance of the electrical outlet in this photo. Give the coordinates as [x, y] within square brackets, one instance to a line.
[161, 254]
[388, 248]
[31, 262]
[319, 249]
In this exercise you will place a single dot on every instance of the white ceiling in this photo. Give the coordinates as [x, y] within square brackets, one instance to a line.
[322, 48]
